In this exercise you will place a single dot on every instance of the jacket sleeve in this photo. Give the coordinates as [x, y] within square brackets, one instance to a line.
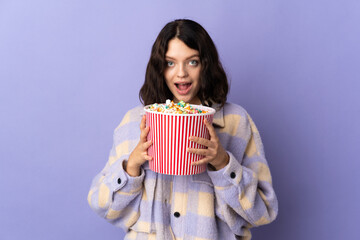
[243, 189]
[115, 195]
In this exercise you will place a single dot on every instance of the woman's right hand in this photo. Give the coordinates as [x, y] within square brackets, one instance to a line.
[139, 154]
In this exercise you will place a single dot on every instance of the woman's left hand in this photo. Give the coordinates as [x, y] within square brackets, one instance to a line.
[214, 154]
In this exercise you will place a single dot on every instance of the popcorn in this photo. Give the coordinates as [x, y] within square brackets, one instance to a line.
[175, 108]
[171, 124]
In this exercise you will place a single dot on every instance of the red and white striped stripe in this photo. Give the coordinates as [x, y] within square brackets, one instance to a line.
[170, 134]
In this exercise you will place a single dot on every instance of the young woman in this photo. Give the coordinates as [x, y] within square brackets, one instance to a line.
[233, 195]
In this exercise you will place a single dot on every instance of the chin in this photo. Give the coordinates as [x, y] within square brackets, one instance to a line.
[190, 100]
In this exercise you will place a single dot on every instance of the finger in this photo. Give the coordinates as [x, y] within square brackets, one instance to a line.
[201, 141]
[143, 123]
[147, 157]
[147, 144]
[200, 162]
[144, 133]
[211, 129]
[202, 152]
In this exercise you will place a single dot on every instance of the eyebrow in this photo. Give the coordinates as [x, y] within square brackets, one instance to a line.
[195, 55]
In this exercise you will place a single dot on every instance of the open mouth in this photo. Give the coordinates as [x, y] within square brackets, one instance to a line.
[183, 88]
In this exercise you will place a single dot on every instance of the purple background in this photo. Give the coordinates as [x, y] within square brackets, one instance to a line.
[69, 71]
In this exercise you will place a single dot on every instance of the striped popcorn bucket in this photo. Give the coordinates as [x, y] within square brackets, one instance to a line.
[170, 135]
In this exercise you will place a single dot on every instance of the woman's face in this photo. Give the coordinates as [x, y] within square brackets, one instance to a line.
[182, 71]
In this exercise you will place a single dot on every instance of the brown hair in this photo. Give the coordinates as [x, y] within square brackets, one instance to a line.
[213, 81]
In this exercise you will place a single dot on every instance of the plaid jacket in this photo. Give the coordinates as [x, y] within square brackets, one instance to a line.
[221, 204]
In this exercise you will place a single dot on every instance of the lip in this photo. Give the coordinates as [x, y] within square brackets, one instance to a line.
[183, 82]
[183, 92]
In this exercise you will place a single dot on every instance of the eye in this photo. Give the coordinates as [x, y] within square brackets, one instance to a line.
[194, 62]
[170, 64]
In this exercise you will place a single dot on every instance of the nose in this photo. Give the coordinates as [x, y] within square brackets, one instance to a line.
[182, 72]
